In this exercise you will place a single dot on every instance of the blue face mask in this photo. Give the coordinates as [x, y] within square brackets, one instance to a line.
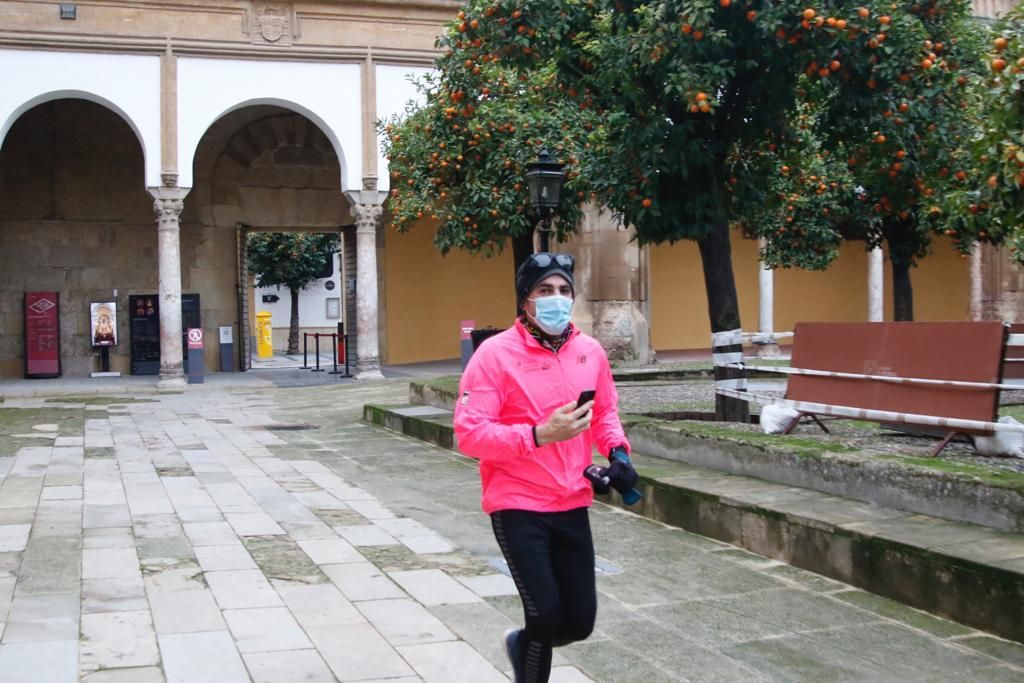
[553, 313]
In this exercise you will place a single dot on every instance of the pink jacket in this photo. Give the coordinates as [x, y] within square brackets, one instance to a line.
[511, 384]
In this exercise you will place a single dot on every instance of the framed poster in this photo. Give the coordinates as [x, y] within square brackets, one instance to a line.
[42, 334]
[333, 307]
[103, 323]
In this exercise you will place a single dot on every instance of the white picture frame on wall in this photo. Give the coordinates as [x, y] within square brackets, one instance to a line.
[333, 307]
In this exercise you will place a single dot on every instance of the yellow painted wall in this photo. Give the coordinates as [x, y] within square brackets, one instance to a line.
[426, 295]
[679, 306]
[941, 285]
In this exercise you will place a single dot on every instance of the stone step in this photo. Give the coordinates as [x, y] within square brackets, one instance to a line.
[966, 572]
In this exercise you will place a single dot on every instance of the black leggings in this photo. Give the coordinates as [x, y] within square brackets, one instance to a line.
[551, 557]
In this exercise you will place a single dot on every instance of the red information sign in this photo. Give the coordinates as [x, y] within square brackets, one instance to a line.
[42, 334]
[195, 337]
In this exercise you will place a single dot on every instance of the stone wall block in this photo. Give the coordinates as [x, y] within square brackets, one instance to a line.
[71, 256]
[98, 278]
[226, 214]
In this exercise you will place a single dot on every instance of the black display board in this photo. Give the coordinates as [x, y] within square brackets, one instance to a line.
[144, 328]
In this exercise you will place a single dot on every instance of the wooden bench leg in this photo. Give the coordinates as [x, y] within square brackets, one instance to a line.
[943, 443]
[819, 423]
[799, 416]
[793, 423]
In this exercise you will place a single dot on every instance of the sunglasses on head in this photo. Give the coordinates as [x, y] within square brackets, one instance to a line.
[544, 260]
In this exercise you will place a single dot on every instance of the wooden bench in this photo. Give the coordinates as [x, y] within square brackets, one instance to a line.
[955, 351]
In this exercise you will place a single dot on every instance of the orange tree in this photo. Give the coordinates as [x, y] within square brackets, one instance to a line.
[895, 101]
[292, 260]
[988, 204]
[796, 194]
[665, 111]
[645, 102]
[459, 160]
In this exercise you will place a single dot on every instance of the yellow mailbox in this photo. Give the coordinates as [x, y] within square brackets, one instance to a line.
[264, 336]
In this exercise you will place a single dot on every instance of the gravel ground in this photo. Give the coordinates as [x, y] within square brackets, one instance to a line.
[869, 437]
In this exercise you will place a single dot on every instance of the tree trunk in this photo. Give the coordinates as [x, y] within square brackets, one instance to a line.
[723, 308]
[293, 326]
[902, 292]
[522, 248]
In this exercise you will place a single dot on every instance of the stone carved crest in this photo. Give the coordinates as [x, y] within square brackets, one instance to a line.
[272, 23]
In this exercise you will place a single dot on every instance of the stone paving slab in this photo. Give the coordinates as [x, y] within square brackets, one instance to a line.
[196, 543]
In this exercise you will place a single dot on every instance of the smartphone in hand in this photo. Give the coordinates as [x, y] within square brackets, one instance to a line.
[585, 396]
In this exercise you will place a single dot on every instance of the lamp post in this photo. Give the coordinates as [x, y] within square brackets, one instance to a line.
[544, 178]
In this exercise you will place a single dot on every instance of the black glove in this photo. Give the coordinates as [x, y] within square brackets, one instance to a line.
[598, 478]
[620, 472]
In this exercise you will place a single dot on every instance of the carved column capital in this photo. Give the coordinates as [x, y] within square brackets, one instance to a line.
[367, 217]
[168, 213]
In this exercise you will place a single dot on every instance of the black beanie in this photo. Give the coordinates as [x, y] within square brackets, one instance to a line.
[531, 272]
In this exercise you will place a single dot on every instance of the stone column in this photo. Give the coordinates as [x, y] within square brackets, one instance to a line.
[977, 284]
[168, 206]
[612, 285]
[767, 344]
[367, 217]
[876, 286]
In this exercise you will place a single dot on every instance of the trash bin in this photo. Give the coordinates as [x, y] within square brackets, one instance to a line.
[478, 336]
[264, 336]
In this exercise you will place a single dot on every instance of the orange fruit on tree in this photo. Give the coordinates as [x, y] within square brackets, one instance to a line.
[751, 15]
[884, 19]
[647, 203]
[724, 3]
[880, 139]
[809, 14]
[863, 12]
[701, 96]
[998, 64]
[841, 24]
[835, 65]
[1001, 43]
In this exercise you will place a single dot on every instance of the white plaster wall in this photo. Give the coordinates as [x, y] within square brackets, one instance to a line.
[126, 84]
[326, 94]
[394, 91]
[312, 302]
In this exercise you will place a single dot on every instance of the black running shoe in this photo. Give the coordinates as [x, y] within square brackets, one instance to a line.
[510, 639]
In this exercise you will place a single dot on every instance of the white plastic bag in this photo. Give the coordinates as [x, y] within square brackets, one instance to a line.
[1002, 442]
[775, 418]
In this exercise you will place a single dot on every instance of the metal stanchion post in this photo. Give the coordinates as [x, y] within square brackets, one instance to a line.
[334, 354]
[305, 351]
[347, 354]
[316, 340]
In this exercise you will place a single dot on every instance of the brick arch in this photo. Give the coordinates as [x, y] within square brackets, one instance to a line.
[55, 95]
[190, 147]
[270, 167]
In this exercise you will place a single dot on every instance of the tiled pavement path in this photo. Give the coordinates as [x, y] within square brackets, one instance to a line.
[232, 536]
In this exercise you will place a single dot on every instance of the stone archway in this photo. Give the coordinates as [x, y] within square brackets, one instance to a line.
[75, 218]
[263, 168]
